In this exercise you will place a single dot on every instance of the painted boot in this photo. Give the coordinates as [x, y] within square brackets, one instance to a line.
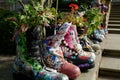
[54, 57]
[74, 51]
[97, 37]
[29, 64]
[86, 45]
[95, 47]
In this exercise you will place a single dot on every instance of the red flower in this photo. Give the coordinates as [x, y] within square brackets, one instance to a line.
[73, 6]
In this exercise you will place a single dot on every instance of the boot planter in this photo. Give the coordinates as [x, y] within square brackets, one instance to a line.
[82, 59]
[85, 45]
[73, 51]
[28, 63]
[54, 55]
[97, 36]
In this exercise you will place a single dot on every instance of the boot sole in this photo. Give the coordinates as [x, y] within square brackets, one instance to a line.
[84, 69]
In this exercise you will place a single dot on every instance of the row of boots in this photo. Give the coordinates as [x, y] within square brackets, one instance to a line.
[56, 57]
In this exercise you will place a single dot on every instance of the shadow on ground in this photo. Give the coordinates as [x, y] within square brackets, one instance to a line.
[6, 67]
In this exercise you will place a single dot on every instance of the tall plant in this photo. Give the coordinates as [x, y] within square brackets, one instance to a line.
[94, 19]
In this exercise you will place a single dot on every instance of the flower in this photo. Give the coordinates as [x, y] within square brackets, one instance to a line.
[73, 6]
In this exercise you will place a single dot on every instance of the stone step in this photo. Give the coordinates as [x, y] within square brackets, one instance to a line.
[113, 31]
[113, 18]
[111, 42]
[115, 3]
[114, 22]
[107, 78]
[113, 13]
[92, 74]
[110, 52]
[114, 26]
[117, 8]
[110, 66]
[117, 16]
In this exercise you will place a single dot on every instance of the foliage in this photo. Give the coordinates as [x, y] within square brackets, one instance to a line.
[94, 19]
[34, 14]
[91, 18]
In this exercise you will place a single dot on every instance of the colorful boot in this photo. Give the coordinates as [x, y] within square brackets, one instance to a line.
[54, 57]
[97, 37]
[29, 64]
[74, 51]
[86, 45]
[95, 47]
